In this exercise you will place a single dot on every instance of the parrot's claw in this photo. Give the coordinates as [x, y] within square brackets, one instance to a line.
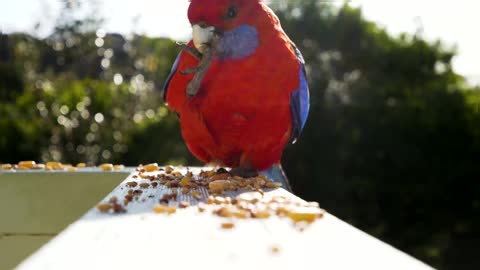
[189, 71]
[191, 50]
[210, 51]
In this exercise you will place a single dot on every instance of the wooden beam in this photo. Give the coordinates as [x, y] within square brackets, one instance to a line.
[142, 239]
[37, 205]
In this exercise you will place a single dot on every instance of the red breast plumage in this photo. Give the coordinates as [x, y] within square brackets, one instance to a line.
[241, 115]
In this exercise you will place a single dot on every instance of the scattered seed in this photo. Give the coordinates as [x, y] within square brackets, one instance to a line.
[132, 184]
[184, 204]
[275, 249]
[107, 167]
[196, 194]
[7, 166]
[104, 207]
[202, 207]
[27, 164]
[171, 196]
[219, 186]
[164, 209]
[117, 208]
[306, 214]
[144, 185]
[168, 169]
[186, 181]
[228, 225]
[151, 167]
[118, 167]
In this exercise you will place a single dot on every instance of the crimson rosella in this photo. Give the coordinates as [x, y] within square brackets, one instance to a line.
[239, 87]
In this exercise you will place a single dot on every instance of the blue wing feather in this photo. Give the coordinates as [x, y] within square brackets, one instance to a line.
[169, 78]
[299, 100]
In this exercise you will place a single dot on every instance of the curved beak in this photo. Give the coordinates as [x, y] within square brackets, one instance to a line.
[202, 35]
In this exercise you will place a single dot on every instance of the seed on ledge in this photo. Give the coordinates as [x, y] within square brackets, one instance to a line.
[104, 207]
[222, 176]
[219, 186]
[202, 207]
[228, 225]
[184, 204]
[118, 167]
[171, 196]
[81, 165]
[307, 214]
[113, 199]
[160, 209]
[251, 197]
[275, 249]
[168, 169]
[144, 185]
[107, 167]
[261, 214]
[7, 166]
[27, 164]
[151, 167]
[196, 194]
[223, 212]
[117, 208]
[186, 181]
[132, 184]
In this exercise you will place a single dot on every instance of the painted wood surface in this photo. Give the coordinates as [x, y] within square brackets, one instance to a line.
[141, 239]
[37, 205]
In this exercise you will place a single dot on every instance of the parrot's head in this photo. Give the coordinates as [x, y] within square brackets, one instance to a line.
[210, 17]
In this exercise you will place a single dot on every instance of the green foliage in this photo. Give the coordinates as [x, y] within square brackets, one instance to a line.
[394, 133]
[391, 144]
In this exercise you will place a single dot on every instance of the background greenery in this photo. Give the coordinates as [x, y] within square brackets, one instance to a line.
[391, 145]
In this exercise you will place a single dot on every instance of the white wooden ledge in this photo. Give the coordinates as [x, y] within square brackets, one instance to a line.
[141, 239]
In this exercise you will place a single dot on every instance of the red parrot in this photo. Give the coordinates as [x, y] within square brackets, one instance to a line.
[251, 98]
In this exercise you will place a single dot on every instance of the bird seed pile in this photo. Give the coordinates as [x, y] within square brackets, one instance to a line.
[253, 199]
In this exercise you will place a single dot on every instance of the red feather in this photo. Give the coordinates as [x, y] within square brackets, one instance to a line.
[241, 115]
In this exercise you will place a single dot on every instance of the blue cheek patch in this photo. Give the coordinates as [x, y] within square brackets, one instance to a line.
[239, 43]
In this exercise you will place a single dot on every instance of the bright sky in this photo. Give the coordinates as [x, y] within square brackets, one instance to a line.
[455, 22]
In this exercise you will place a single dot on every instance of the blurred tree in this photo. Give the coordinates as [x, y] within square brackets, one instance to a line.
[85, 95]
[395, 138]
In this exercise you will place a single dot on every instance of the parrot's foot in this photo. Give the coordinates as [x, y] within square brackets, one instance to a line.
[205, 61]
[191, 50]
[244, 172]
[189, 71]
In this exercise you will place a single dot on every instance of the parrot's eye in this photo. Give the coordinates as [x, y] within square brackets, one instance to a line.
[231, 12]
